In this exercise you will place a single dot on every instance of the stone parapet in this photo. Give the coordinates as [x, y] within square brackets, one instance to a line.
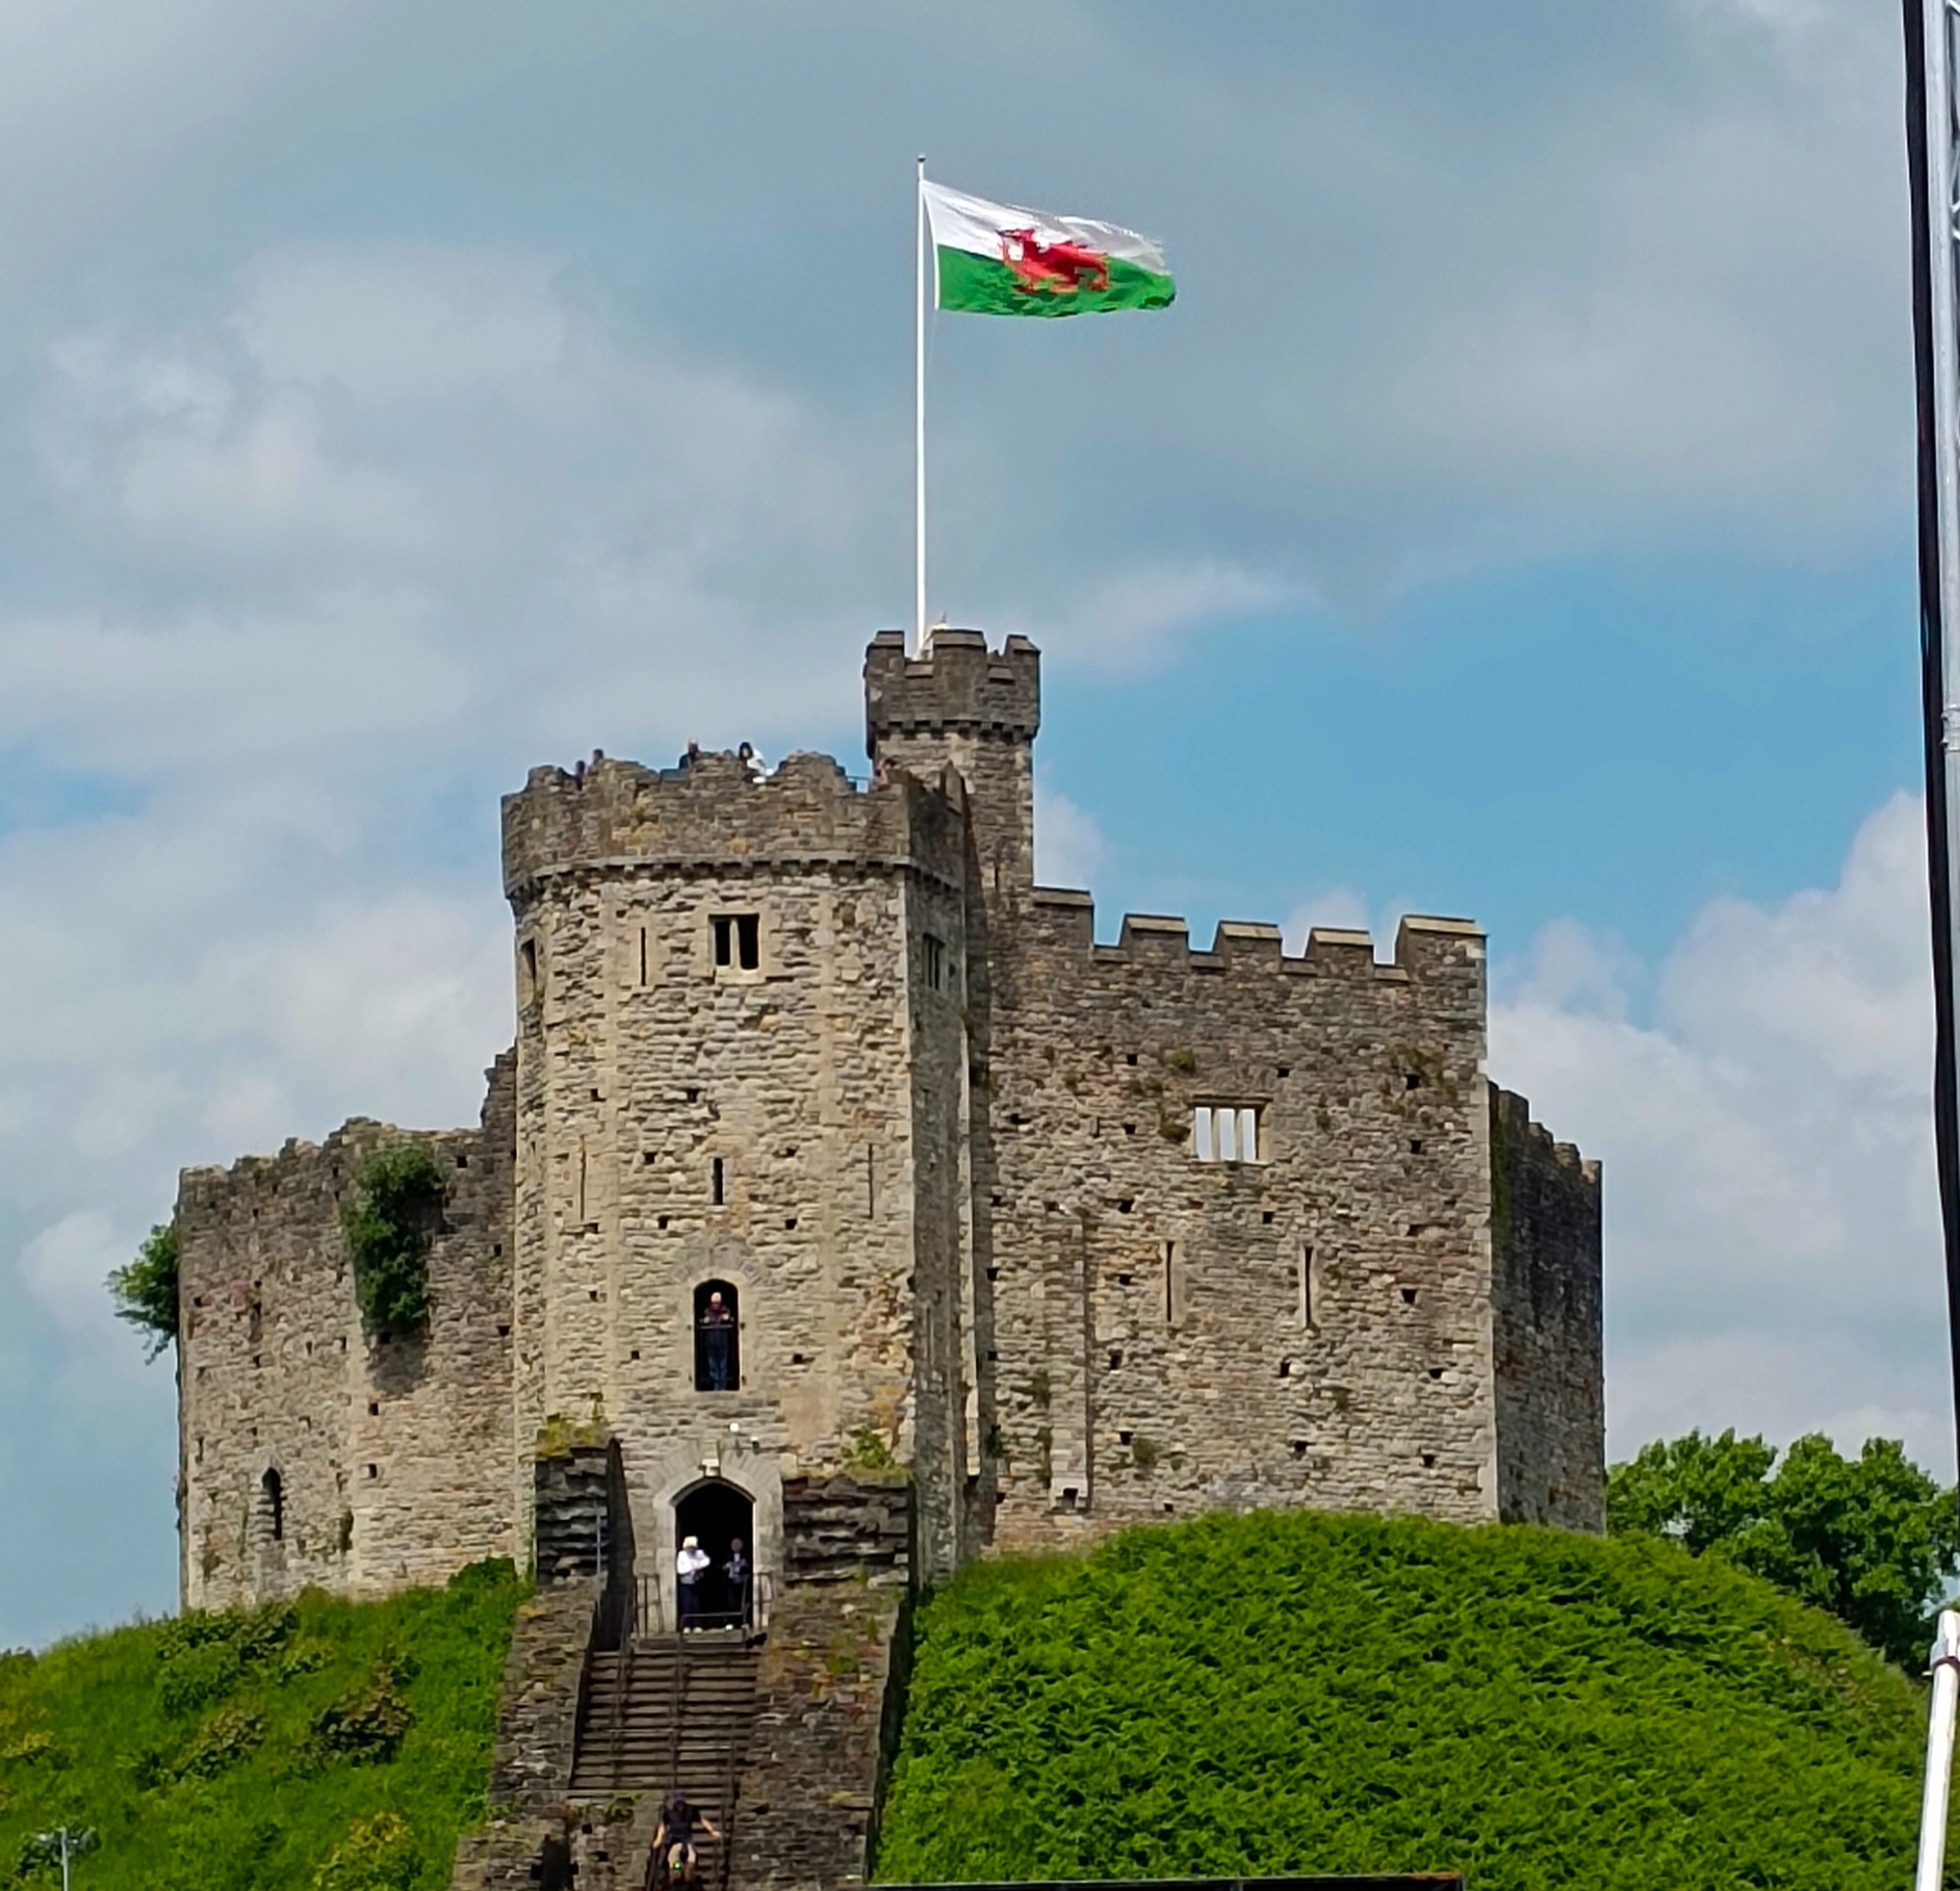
[712, 815]
[959, 684]
[1062, 919]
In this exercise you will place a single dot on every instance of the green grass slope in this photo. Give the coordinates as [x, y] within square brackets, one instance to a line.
[1295, 1693]
[331, 1744]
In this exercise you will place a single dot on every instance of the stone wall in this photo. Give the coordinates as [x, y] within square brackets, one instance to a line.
[1547, 1310]
[831, 1683]
[393, 1459]
[1312, 1326]
[529, 1834]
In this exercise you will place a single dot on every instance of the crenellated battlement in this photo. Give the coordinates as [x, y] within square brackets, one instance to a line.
[1532, 1142]
[712, 811]
[1064, 919]
[959, 684]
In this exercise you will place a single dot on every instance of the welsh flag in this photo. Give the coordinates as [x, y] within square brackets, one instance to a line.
[1001, 259]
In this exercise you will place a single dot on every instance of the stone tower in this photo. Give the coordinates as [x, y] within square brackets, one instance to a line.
[739, 1071]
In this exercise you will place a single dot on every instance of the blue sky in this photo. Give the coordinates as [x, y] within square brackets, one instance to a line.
[1512, 518]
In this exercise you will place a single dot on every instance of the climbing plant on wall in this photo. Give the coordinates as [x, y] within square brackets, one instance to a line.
[394, 1215]
[145, 1291]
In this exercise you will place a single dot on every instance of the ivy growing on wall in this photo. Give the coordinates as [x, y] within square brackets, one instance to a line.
[145, 1291]
[395, 1213]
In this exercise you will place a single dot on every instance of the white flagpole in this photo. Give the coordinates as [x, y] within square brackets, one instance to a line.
[919, 442]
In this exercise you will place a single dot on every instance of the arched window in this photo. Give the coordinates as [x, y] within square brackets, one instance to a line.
[718, 1337]
[273, 1507]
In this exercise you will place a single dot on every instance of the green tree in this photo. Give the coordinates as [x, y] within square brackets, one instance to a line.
[1873, 1538]
[145, 1290]
[395, 1213]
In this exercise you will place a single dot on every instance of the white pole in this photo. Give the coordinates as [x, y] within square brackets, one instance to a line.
[1938, 1755]
[64, 1846]
[918, 440]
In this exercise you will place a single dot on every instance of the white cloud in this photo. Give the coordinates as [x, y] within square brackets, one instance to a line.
[1340, 908]
[64, 1266]
[1069, 847]
[1773, 1246]
[1133, 620]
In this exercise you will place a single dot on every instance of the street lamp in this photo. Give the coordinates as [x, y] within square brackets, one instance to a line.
[64, 1842]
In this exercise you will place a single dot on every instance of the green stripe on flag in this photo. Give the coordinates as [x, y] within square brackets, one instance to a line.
[982, 285]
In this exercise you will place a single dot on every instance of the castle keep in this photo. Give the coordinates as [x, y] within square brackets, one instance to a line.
[1076, 1234]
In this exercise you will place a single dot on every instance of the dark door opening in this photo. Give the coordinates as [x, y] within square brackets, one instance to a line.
[717, 1337]
[716, 1516]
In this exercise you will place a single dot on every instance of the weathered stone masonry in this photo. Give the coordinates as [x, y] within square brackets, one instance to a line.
[825, 1045]
[311, 1455]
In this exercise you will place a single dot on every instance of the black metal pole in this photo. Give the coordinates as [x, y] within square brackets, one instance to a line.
[1932, 659]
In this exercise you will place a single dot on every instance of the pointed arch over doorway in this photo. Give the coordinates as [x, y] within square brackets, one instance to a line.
[716, 1515]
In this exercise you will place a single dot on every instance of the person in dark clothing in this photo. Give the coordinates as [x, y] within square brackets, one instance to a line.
[674, 1843]
[735, 1579]
[717, 1341]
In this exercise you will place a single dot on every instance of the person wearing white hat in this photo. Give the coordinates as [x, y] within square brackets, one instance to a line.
[689, 1563]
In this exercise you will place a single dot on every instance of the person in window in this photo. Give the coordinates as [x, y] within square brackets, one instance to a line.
[689, 1567]
[717, 1341]
[735, 1584]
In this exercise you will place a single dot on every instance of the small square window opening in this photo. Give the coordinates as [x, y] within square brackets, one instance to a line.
[738, 940]
[1226, 1133]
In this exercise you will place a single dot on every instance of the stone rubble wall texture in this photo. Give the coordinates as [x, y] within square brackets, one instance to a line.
[537, 1728]
[1547, 1319]
[831, 1679]
[960, 1209]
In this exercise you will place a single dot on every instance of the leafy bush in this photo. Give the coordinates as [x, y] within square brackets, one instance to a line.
[1872, 1538]
[216, 1804]
[222, 1741]
[370, 1721]
[395, 1213]
[378, 1854]
[145, 1290]
[1293, 1694]
[198, 1677]
[204, 1654]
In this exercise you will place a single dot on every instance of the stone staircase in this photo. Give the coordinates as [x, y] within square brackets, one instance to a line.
[666, 1712]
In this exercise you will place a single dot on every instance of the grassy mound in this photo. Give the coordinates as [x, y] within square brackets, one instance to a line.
[1289, 1693]
[331, 1744]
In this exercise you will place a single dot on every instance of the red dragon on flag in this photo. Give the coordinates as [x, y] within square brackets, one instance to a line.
[1052, 269]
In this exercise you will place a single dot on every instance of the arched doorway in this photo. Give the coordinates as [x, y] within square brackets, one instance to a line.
[718, 1337]
[718, 1516]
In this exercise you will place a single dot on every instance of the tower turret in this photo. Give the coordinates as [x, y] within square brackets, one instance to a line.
[979, 709]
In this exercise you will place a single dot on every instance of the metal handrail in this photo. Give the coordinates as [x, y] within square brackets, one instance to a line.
[680, 1709]
[583, 1703]
[731, 1787]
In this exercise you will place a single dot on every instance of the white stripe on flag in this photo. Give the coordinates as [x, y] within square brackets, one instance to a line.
[973, 224]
